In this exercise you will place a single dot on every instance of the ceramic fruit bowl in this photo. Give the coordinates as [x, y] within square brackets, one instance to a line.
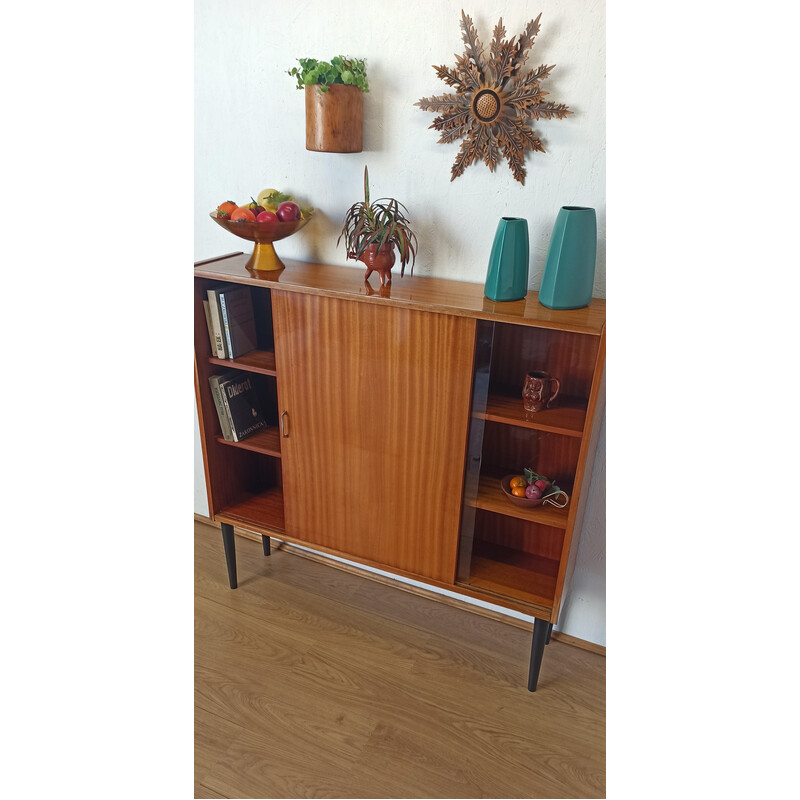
[263, 234]
[554, 497]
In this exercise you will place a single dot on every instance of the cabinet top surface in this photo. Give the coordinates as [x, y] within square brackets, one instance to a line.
[419, 292]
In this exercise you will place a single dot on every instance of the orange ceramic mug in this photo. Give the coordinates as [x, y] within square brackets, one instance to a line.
[539, 391]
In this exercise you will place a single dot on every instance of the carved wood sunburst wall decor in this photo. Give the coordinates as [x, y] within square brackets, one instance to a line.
[493, 101]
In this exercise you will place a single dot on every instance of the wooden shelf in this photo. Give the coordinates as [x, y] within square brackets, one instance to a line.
[513, 573]
[492, 498]
[260, 361]
[568, 420]
[261, 511]
[266, 442]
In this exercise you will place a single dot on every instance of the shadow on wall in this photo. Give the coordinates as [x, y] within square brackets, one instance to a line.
[323, 232]
[439, 228]
[374, 112]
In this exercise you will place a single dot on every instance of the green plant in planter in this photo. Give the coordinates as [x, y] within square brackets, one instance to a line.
[378, 223]
[348, 71]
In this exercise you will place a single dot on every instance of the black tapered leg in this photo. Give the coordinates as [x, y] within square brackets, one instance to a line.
[230, 553]
[265, 544]
[549, 631]
[541, 629]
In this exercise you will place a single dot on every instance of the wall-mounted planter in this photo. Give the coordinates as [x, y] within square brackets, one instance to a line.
[334, 119]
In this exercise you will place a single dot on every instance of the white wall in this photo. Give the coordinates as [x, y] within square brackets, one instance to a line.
[250, 135]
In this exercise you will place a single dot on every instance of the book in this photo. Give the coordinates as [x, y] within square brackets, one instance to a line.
[207, 310]
[222, 411]
[216, 320]
[238, 321]
[241, 404]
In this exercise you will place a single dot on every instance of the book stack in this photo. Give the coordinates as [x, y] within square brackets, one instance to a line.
[230, 319]
[237, 405]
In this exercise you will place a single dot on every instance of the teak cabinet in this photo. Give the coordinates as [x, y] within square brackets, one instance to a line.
[392, 416]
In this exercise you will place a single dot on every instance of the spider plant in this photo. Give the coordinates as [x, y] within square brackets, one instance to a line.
[380, 223]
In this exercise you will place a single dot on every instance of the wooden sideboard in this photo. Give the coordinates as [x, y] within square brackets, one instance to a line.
[393, 413]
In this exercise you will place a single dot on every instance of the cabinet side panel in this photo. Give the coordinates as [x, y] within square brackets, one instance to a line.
[377, 407]
[582, 475]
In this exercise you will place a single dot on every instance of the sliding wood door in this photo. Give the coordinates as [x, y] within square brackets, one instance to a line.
[375, 407]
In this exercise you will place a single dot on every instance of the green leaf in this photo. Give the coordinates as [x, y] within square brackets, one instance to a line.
[276, 198]
[340, 70]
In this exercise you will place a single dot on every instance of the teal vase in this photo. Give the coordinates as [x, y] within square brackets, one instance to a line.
[507, 277]
[569, 271]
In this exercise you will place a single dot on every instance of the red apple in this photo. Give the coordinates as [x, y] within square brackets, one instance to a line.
[541, 484]
[533, 492]
[267, 216]
[288, 211]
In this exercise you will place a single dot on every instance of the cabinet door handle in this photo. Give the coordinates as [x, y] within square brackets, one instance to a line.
[284, 426]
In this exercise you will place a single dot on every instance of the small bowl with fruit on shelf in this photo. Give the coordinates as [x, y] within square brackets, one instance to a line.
[532, 489]
[270, 217]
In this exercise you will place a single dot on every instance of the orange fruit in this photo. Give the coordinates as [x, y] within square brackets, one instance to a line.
[518, 491]
[243, 215]
[518, 481]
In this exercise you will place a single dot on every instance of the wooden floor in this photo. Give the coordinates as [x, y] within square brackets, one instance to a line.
[312, 682]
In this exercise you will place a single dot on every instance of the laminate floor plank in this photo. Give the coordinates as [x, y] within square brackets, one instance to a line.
[313, 682]
[204, 791]
[474, 630]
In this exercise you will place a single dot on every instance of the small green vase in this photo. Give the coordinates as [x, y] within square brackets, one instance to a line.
[569, 270]
[507, 277]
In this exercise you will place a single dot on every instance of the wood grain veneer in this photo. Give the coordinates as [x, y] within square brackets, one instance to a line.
[492, 498]
[266, 441]
[357, 401]
[419, 292]
[258, 361]
[587, 449]
[562, 418]
[377, 407]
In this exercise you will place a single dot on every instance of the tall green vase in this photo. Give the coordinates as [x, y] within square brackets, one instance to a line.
[569, 270]
[507, 277]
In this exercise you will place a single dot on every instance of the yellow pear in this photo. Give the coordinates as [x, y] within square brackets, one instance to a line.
[262, 199]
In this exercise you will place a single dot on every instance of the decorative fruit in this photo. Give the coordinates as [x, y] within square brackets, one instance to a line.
[263, 196]
[225, 209]
[519, 491]
[254, 207]
[518, 481]
[243, 215]
[288, 211]
[267, 216]
[542, 484]
[533, 492]
[272, 198]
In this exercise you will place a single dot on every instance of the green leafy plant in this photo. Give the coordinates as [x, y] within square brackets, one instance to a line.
[347, 71]
[378, 223]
